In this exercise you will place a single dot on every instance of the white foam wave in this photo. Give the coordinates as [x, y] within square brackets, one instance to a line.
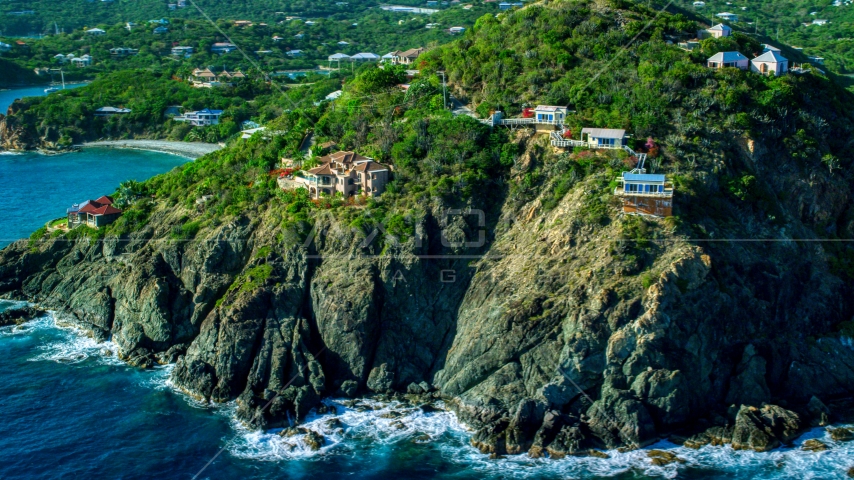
[73, 345]
[790, 462]
[363, 422]
[372, 424]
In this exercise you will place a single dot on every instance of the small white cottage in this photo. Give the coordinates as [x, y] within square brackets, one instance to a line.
[770, 63]
[728, 59]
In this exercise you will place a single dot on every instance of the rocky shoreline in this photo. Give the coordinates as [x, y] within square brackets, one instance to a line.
[20, 315]
[191, 150]
[551, 342]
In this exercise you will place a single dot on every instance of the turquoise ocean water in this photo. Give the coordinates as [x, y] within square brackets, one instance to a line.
[71, 410]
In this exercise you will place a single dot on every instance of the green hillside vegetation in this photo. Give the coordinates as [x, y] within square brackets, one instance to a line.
[373, 31]
[67, 117]
[703, 123]
[15, 75]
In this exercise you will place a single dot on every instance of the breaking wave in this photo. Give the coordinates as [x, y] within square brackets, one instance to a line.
[370, 425]
[73, 345]
[356, 422]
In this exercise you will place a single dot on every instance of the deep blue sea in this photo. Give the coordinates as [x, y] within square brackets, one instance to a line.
[69, 409]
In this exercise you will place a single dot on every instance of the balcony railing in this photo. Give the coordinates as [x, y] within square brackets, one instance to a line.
[667, 193]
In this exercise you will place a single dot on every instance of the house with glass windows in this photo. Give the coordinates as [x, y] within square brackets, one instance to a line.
[347, 173]
[603, 137]
[645, 194]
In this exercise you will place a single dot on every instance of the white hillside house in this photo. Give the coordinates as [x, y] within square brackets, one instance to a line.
[728, 59]
[720, 31]
[770, 63]
[604, 137]
[550, 115]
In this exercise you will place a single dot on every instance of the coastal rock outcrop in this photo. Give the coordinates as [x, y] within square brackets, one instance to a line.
[553, 336]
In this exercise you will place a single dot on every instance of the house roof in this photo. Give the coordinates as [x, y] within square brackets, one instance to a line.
[102, 206]
[771, 56]
[412, 53]
[644, 177]
[720, 27]
[112, 110]
[209, 111]
[324, 169]
[365, 56]
[604, 132]
[343, 157]
[339, 56]
[369, 166]
[105, 210]
[727, 57]
[548, 108]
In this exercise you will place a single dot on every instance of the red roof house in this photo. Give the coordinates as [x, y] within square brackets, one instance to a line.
[94, 213]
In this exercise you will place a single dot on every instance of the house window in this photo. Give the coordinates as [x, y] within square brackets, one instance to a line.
[605, 142]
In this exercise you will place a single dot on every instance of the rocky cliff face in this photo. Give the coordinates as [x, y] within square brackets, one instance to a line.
[556, 335]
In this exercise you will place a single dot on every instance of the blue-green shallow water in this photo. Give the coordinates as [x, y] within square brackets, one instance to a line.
[38, 188]
[70, 411]
[9, 96]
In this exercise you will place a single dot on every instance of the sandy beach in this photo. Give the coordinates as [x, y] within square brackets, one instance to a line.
[185, 149]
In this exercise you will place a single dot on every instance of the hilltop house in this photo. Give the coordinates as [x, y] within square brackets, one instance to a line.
[200, 75]
[338, 57]
[730, 17]
[93, 213]
[5, 47]
[365, 57]
[456, 30]
[82, 62]
[294, 53]
[645, 194]
[200, 118]
[550, 115]
[96, 31]
[242, 23]
[160, 30]
[604, 137]
[123, 51]
[346, 173]
[719, 31]
[728, 59]
[770, 63]
[182, 51]
[223, 47]
[110, 111]
[225, 77]
[406, 57]
[277, 39]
